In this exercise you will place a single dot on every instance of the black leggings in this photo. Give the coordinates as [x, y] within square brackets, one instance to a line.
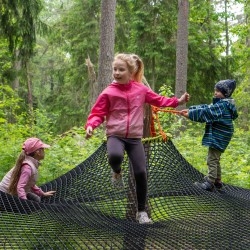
[33, 197]
[135, 150]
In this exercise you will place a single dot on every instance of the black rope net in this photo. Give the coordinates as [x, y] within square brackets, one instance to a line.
[88, 213]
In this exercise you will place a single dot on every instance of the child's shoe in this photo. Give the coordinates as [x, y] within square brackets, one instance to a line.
[142, 218]
[218, 184]
[117, 180]
[206, 185]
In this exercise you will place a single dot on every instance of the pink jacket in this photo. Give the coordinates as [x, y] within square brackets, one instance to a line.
[122, 107]
[27, 180]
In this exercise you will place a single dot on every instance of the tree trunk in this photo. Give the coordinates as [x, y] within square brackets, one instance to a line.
[30, 94]
[17, 67]
[227, 38]
[182, 49]
[29, 87]
[245, 110]
[107, 41]
[92, 82]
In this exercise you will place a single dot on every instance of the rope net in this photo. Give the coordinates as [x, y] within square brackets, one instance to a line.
[88, 213]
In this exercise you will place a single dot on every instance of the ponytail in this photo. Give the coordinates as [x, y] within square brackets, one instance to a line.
[16, 174]
[139, 69]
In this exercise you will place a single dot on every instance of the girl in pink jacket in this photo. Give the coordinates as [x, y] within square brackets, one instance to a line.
[21, 179]
[121, 105]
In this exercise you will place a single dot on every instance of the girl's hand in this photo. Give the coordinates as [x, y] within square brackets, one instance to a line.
[89, 132]
[184, 98]
[49, 193]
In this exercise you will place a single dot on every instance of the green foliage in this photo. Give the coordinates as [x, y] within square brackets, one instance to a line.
[169, 122]
[9, 104]
[241, 100]
[153, 37]
[205, 66]
[59, 64]
[18, 24]
[67, 151]
[6, 72]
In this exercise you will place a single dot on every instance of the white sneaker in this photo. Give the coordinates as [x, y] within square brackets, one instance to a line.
[117, 180]
[142, 218]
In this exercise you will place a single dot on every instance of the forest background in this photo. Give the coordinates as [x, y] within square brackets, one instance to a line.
[46, 83]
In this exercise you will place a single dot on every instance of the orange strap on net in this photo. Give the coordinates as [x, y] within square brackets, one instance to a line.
[155, 119]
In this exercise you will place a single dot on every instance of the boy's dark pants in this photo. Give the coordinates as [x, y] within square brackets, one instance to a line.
[213, 163]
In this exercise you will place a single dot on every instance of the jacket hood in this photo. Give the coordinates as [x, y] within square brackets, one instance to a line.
[230, 104]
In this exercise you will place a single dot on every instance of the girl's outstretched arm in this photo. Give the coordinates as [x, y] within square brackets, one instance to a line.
[89, 132]
[184, 98]
[49, 193]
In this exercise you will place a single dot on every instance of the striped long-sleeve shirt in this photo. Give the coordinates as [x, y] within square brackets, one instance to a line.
[219, 118]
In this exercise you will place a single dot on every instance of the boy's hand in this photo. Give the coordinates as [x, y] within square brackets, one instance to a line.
[184, 98]
[89, 132]
[184, 113]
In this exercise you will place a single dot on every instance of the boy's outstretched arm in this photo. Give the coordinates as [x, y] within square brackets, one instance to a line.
[184, 113]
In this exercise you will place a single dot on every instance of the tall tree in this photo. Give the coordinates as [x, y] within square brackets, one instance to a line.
[182, 49]
[240, 52]
[227, 38]
[205, 48]
[107, 41]
[60, 61]
[19, 23]
[152, 36]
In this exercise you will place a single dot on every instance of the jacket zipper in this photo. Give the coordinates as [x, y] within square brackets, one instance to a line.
[128, 117]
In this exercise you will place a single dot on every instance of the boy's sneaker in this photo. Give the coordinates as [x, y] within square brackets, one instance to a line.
[142, 218]
[117, 180]
[218, 184]
[206, 185]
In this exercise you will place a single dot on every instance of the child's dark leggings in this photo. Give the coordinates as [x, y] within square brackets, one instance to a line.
[136, 154]
[33, 197]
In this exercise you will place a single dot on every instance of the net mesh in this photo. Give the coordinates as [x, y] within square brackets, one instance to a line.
[88, 213]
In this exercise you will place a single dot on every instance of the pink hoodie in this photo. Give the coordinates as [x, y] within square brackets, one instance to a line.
[122, 106]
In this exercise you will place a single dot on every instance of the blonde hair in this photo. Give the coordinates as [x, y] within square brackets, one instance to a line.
[135, 65]
[16, 174]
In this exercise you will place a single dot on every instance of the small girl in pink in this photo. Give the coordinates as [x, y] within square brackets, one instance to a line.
[121, 105]
[21, 179]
